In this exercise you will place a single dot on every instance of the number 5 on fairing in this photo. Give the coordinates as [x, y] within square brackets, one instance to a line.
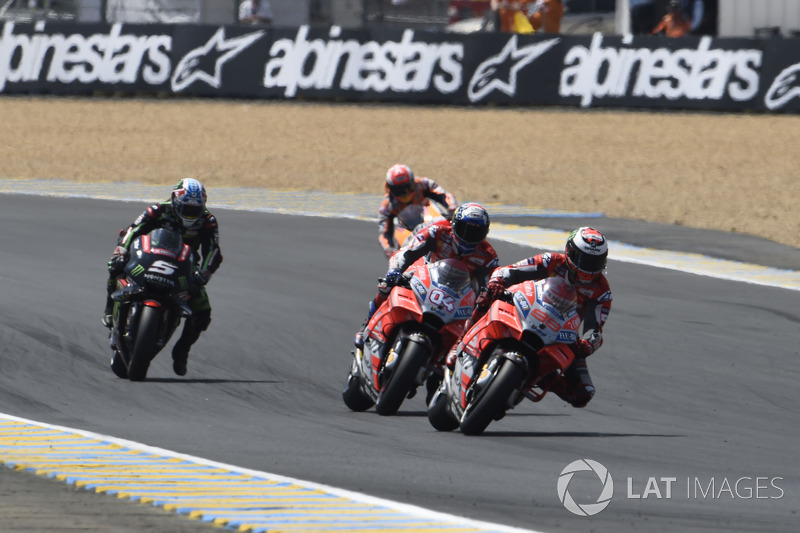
[162, 267]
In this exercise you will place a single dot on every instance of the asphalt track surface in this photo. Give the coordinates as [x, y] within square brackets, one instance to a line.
[697, 381]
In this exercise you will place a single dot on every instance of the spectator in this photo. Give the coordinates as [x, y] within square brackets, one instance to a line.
[674, 23]
[695, 12]
[255, 12]
[513, 15]
[643, 16]
[547, 14]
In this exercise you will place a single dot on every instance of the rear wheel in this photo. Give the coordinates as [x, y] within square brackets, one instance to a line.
[439, 416]
[492, 404]
[402, 379]
[118, 366]
[144, 349]
[354, 398]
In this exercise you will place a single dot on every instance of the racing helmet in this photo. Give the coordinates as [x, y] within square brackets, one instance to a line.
[470, 227]
[586, 252]
[189, 201]
[400, 181]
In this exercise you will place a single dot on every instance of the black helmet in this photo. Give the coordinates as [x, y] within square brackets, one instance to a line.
[470, 227]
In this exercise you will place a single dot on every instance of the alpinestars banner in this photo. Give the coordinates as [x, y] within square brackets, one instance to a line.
[700, 73]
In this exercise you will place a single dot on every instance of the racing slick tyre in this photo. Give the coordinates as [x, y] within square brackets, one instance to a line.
[439, 416]
[118, 366]
[352, 395]
[492, 403]
[144, 349]
[402, 379]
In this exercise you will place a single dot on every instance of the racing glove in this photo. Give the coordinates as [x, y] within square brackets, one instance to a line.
[393, 276]
[201, 277]
[494, 289]
[586, 347]
[118, 260]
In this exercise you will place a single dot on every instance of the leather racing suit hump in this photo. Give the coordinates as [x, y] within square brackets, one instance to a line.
[424, 189]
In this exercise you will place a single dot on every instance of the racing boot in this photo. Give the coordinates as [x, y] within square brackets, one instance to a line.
[180, 352]
[358, 340]
[180, 355]
[452, 355]
[575, 387]
[108, 319]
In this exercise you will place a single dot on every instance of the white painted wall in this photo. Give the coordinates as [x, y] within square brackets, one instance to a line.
[739, 18]
[288, 13]
[346, 13]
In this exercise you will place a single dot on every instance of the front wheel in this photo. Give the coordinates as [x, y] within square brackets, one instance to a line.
[144, 349]
[402, 379]
[494, 400]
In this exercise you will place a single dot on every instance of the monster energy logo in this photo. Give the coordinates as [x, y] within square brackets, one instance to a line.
[183, 282]
[138, 269]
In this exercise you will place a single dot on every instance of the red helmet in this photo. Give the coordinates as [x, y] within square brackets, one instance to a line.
[400, 181]
[586, 251]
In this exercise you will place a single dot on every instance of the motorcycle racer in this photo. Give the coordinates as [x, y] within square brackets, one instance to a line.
[464, 237]
[184, 211]
[582, 264]
[402, 190]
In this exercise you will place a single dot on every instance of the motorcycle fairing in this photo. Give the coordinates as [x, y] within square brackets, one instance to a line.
[401, 306]
[501, 322]
[555, 358]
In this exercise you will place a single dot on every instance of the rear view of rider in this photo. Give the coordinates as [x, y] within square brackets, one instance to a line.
[402, 190]
[582, 264]
[464, 237]
[184, 211]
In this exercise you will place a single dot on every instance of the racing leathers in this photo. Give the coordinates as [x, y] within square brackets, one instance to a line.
[203, 238]
[436, 240]
[594, 304]
[425, 189]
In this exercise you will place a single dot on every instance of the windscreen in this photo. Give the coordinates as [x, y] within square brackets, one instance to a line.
[451, 273]
[411, 216]
[560, 294]
[166, 239]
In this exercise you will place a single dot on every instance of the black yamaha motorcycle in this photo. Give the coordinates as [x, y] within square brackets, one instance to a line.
[151, 298]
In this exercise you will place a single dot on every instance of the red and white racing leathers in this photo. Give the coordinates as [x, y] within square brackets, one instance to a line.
[594, 304]
[594, 299]
[437, 240]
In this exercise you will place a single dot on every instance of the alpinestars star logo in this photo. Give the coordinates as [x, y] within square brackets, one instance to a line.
[784, 88]
[500, 72]
[205, 63]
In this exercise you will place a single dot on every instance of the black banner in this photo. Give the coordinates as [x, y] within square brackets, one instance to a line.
[700, 73]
